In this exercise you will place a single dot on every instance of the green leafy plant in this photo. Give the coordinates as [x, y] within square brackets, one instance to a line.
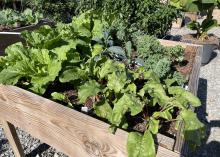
[58, 10]
[149, 16]
[202, 6]
[113, 90]
[11, 18]
[147, 51]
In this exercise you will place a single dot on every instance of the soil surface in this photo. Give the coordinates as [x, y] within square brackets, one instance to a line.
[4, 28]
[186, 67]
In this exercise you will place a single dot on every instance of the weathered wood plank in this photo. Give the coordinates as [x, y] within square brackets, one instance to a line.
[180, 144]
[165, 141]
[13, 139]
[69, 131]
[174, 43]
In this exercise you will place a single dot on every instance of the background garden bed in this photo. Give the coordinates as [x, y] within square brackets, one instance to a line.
[12, 36]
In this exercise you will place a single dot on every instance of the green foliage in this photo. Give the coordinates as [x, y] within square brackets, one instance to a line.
[148, 16]
[90, 88]
[178, 77]
[59, 10]
[73, 53]
[11, 18]
[194, 130]
[141, 146]
[157, 57]
[203, 6]
[58, 96]
[41, 59]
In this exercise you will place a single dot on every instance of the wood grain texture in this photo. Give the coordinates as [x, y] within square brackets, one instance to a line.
[181, 145]
[71, 132]
[13, 139]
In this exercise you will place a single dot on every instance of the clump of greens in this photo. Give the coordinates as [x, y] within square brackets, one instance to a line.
[58, 10]
[150, 17]
[157, 57]
[147, 51]
[72, 54]
[11, 18]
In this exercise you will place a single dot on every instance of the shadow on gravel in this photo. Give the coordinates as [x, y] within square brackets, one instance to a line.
[214, 55]
[39, 150]
[2, 142]
[211, 149]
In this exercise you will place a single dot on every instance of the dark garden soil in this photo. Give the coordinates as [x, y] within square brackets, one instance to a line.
[186, 66]
[4, 28]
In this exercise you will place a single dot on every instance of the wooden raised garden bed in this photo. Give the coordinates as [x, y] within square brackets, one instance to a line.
[12, 36]
[74, 133]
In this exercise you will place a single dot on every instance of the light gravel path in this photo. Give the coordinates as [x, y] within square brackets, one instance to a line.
[209, 93]
[32, 147]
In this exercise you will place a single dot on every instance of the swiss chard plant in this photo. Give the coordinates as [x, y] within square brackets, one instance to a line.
[201, 6]
[70, 54]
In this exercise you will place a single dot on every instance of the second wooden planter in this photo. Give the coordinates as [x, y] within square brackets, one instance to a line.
[13, 36]
[72, 132]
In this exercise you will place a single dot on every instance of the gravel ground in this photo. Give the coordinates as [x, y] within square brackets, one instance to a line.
[32, 147]
[209, 112]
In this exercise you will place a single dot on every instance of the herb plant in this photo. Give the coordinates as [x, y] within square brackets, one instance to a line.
[71, 54]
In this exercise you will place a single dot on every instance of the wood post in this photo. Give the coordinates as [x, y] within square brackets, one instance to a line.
[13, 139]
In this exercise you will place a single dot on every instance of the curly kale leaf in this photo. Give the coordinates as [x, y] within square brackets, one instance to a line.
[175, 52]
[148, 45]
[178, 77]
[161, 66]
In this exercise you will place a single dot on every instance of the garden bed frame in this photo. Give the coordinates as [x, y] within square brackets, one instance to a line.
[12, 36]
[74, 133]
